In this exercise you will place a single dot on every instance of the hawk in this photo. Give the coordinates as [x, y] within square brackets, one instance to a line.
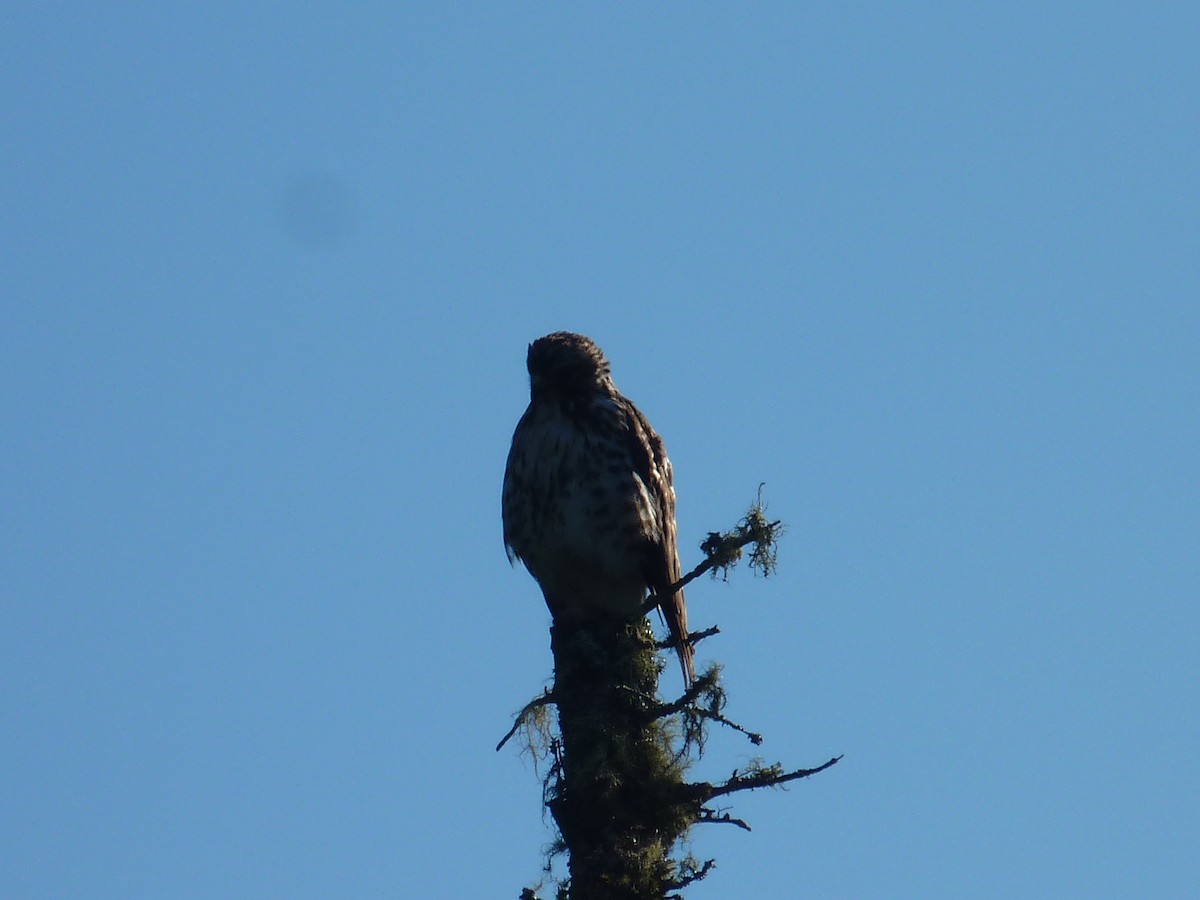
[589, 501]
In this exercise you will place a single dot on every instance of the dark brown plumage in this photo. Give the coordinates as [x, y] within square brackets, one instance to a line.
[589, 503]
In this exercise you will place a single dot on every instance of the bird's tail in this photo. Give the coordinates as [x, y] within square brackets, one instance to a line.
[675, 612]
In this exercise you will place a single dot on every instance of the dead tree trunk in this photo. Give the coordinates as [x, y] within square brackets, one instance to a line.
[618, 800]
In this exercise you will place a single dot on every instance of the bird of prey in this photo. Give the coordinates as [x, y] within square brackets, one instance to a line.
[589, 502]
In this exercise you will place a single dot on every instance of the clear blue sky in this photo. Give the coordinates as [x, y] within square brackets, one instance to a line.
[930, 272]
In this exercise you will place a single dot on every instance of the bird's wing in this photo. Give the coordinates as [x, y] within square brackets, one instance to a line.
[651, 464]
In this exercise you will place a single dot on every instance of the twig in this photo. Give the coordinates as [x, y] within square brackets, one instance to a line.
[694, 637]
[536, 703]
[710, 815]
[723, 550]
[699, 686]
[694, 875]
[765, 778]
[755, 738]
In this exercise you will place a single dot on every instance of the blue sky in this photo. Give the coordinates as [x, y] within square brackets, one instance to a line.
[930, 273]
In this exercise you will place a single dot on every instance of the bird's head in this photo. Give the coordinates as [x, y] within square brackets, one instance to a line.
[565, 364]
